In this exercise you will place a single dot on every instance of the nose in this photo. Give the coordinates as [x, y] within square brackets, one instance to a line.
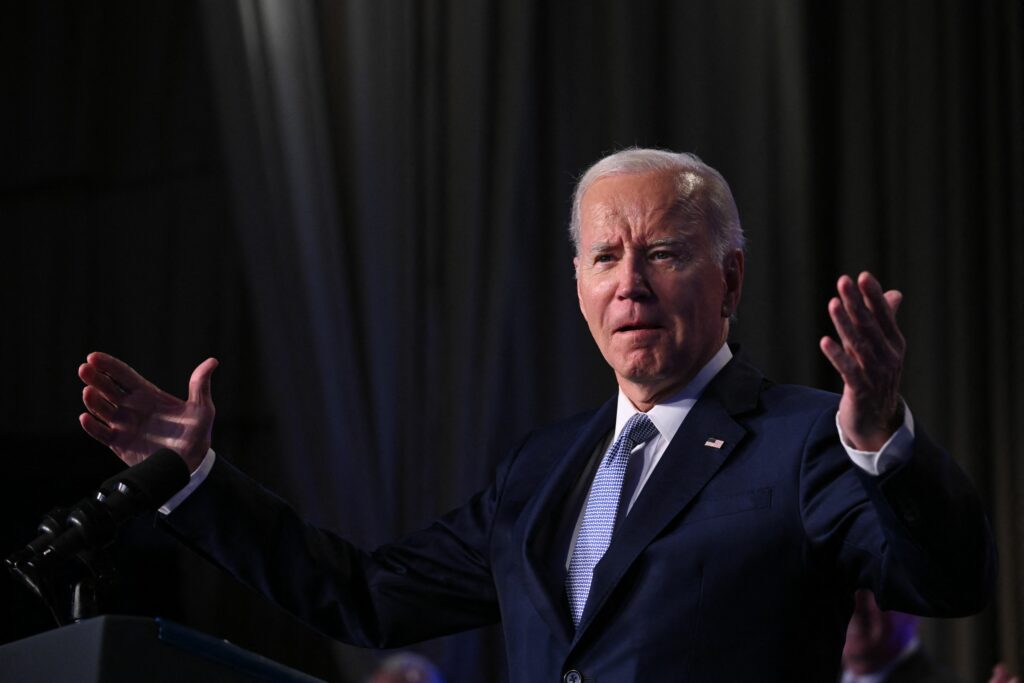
[633, 283]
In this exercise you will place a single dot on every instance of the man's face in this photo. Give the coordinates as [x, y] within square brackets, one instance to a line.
[653, 294]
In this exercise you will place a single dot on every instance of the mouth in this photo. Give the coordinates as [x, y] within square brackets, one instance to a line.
[637, 327]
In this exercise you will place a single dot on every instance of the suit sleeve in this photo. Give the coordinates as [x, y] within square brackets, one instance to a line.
[917, 536]
[434, 582]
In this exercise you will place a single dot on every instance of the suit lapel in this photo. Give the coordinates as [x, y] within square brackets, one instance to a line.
[543, 552]
[684, 470]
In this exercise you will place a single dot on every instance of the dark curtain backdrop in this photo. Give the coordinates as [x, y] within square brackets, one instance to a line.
[360, 208]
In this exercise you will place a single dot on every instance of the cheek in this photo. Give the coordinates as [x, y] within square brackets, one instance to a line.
[593, 303]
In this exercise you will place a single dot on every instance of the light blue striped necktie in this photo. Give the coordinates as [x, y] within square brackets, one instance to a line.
[602, 508]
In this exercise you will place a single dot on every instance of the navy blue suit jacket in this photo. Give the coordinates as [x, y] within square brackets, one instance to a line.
[736, 563]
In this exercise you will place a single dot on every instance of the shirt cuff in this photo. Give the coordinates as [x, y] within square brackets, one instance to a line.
[196, 478]
[894, 452]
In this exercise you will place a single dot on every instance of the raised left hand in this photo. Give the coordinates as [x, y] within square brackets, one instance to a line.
[869, 358]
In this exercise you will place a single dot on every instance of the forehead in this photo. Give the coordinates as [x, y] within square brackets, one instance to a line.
[643, 203]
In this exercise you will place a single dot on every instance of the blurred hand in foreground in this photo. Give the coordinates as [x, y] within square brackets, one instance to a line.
[1001, 675]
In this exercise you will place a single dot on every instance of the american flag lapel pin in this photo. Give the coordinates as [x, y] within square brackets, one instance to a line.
[714, 443]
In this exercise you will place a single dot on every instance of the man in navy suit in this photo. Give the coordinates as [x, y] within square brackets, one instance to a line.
[719, 536]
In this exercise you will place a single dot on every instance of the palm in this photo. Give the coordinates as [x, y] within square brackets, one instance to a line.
[869, 358]
[134, 418]
[154, 419]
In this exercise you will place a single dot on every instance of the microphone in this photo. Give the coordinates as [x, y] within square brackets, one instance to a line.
[94, 521]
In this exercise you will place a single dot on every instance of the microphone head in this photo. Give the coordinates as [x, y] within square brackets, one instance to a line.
[153, 480]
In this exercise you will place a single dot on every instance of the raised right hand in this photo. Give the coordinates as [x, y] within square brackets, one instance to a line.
[135, 418]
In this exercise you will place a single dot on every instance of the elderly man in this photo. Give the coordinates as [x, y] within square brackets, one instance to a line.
[704, 524]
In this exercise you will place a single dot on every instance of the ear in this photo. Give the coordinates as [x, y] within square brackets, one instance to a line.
[732, 280]
[579, 293]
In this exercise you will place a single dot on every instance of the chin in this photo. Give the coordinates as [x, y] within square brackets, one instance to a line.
[639, 373]
[641, 363]
[651, 376]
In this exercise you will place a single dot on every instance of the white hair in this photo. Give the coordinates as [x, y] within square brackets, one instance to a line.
[702, 191]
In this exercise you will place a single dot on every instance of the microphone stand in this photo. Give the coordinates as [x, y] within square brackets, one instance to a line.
[95, 588]
[66, 566]
[75, 589]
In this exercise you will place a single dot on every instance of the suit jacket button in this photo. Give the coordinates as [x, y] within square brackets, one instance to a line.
[572, 676]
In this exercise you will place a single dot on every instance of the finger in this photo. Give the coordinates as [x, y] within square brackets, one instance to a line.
[883, 312]
[847, 367]
[199, 390]
[96, 429]
[849, 334]
[98, 405]
[868, 333]
[871, 291]
[894, 298]
[94, 378]
[853, 302]
[119, 371]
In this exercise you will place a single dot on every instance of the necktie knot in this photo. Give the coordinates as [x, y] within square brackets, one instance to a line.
[639, 429]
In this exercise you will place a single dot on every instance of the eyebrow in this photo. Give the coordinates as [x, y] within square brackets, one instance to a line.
[599, 247]
[669, 242]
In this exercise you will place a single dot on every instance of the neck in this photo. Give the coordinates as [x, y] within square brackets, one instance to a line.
[646, 395]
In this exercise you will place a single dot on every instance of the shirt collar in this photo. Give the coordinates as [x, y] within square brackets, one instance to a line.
[668, 415]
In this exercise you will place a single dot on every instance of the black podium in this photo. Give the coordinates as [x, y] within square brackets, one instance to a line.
[112, 649]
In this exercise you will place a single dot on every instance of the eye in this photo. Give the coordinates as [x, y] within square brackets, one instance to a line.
[662, 255]
[603, 258]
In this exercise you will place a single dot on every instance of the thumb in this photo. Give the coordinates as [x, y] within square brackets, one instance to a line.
[199, 384]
